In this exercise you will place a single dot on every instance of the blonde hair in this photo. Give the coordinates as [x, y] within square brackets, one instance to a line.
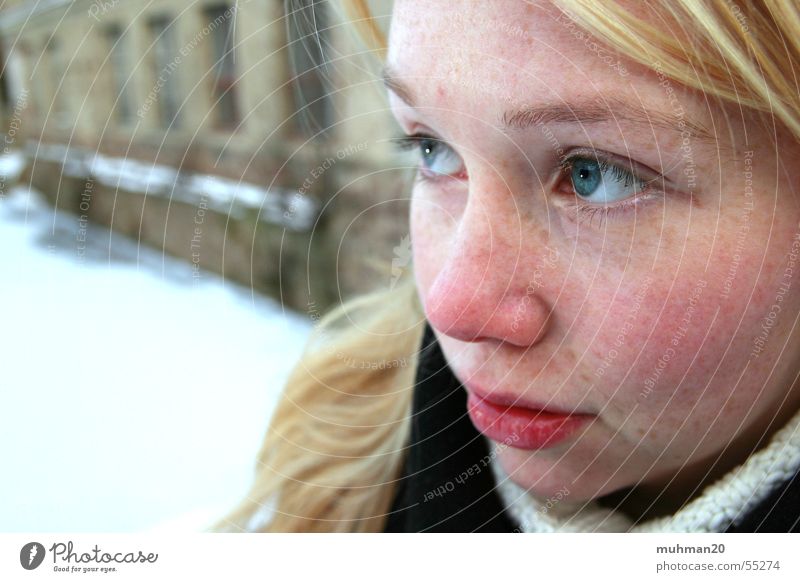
[742, 54]
[335, 446]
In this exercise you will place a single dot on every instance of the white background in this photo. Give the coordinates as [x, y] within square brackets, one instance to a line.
[133, 395]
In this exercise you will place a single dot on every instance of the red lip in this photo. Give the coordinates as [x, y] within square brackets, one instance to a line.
[522, 427]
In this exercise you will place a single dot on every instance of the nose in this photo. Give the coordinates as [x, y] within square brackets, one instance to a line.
[489, 287]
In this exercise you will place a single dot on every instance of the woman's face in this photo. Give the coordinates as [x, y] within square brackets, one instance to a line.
[612, 254]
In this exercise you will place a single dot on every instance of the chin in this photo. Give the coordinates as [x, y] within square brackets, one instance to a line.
[546, 476]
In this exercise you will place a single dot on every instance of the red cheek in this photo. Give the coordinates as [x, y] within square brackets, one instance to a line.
[651, 339]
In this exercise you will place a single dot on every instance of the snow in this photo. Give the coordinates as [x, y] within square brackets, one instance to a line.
[133, 396]
[282, 206]
[11, 166]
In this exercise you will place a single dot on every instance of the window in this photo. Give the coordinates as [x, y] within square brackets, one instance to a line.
[5, 98]
[308, 38]
[119, 59]
[165, 62]
[57, 73]
[37, 79]
[223, 91]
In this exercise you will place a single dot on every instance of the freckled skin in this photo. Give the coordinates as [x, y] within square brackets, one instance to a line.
[586, 330]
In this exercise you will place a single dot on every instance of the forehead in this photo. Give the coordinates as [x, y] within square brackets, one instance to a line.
[509, 52]
[504, 30]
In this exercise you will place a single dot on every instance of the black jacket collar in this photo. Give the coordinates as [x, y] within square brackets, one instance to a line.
[441, 490]
[447, 484]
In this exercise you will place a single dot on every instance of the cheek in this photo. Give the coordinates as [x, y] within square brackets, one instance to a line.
[676, 355]
[649, 339]
[423, 240]
[433, 226]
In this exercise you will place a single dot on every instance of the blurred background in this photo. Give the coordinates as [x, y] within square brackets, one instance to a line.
[185, 187]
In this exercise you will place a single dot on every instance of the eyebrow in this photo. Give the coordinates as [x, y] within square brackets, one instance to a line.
[610, 109]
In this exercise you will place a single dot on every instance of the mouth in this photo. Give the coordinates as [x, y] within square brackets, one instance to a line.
[520, 426]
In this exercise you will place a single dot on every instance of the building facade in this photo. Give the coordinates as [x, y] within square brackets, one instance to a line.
[248, 138]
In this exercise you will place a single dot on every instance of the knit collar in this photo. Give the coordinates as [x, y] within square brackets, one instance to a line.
[721, 505]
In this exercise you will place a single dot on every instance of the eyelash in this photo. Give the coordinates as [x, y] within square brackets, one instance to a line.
[412, 143]
[583, 212]
[407, 142]
[586, 212]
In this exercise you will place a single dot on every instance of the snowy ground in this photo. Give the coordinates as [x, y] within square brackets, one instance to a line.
[132, 397]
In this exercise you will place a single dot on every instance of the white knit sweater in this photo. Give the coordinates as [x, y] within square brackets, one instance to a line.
[724, 502]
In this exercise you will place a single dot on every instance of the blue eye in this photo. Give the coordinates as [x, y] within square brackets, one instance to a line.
[599, 182]
[436, 157]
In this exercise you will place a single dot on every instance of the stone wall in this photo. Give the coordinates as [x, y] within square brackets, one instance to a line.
[357, 235]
